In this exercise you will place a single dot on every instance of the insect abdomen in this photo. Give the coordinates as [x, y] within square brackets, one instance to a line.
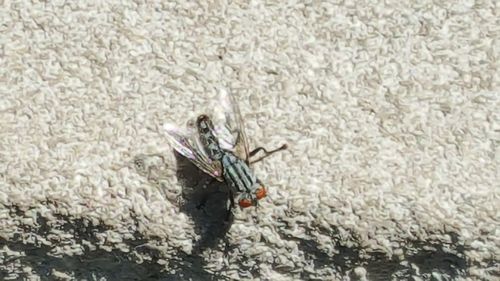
[237, 173]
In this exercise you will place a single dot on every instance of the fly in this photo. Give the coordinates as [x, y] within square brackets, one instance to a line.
[218, 145]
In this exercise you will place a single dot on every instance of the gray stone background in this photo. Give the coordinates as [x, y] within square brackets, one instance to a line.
[390, 109]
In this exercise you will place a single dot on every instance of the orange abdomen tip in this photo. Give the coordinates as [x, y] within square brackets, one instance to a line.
[245, 203]
[260, 192]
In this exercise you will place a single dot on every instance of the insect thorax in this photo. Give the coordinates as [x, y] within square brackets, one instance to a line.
[208, 138]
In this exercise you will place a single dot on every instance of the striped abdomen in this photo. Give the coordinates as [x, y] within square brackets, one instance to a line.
[238, 174]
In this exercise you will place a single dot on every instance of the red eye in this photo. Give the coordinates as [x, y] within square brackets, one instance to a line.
[260, 192]
[245, 203]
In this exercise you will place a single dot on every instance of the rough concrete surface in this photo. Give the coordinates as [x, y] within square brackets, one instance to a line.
[391, 111]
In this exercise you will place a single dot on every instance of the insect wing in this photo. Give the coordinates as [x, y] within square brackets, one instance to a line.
[187, 143]
[229, 125]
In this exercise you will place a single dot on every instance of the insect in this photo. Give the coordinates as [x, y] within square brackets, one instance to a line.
[218, 145]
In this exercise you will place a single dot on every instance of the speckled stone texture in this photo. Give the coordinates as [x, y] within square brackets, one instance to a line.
[391, 110]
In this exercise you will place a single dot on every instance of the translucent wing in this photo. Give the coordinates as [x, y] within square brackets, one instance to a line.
[229, 125]
[187, 143]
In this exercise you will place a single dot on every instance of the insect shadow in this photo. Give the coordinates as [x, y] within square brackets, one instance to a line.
[206, 201]
[202, 198]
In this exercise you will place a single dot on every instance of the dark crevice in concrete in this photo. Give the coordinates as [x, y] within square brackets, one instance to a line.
[97, 263]
[448, 259]
[93, 264]
[206, 203]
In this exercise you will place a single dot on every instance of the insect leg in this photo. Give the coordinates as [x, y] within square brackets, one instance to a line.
[231, 206]
[231, 200]
[267, 153]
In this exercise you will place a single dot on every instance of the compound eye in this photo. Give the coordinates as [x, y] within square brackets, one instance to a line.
[260, 192]
[245, 203]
